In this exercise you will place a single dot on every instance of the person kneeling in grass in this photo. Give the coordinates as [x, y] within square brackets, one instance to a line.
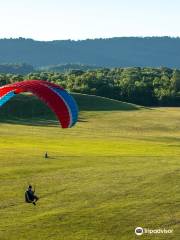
[30, 196]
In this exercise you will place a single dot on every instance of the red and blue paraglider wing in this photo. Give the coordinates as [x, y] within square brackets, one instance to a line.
[58, 100]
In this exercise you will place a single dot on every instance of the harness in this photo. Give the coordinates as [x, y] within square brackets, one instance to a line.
[29, 198]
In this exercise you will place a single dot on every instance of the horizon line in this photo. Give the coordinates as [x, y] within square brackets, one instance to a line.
[86, 39]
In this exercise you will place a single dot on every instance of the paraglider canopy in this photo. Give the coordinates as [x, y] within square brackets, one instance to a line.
[58, 100]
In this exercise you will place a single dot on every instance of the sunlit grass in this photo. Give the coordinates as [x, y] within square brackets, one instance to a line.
[112, 172]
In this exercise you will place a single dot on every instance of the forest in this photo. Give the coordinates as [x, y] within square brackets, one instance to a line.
[143, 86]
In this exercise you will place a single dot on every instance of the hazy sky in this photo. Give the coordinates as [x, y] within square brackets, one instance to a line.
[81, 19]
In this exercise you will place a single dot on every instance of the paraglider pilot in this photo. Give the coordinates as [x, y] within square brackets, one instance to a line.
[30, 196]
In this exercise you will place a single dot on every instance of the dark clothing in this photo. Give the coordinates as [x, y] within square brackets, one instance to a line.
[30, 196]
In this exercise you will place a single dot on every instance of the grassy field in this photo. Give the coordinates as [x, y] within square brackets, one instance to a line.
[117, 169]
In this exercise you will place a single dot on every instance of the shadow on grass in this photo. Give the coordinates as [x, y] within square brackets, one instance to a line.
[35, 121]
[31, 122]
[22, 109]
[94, 103]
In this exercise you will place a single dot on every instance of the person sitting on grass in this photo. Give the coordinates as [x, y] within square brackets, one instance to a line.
[30, 196]
[46, 155]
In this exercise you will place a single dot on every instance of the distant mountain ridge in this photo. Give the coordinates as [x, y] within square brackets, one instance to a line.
[113, 52]
[16, 68]
[67, 68]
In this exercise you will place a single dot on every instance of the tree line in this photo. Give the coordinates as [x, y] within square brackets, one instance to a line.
[144, 86]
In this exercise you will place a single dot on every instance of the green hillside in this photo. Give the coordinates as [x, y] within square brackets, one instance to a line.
[113, 171]
[28, 106]
[110, 52]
